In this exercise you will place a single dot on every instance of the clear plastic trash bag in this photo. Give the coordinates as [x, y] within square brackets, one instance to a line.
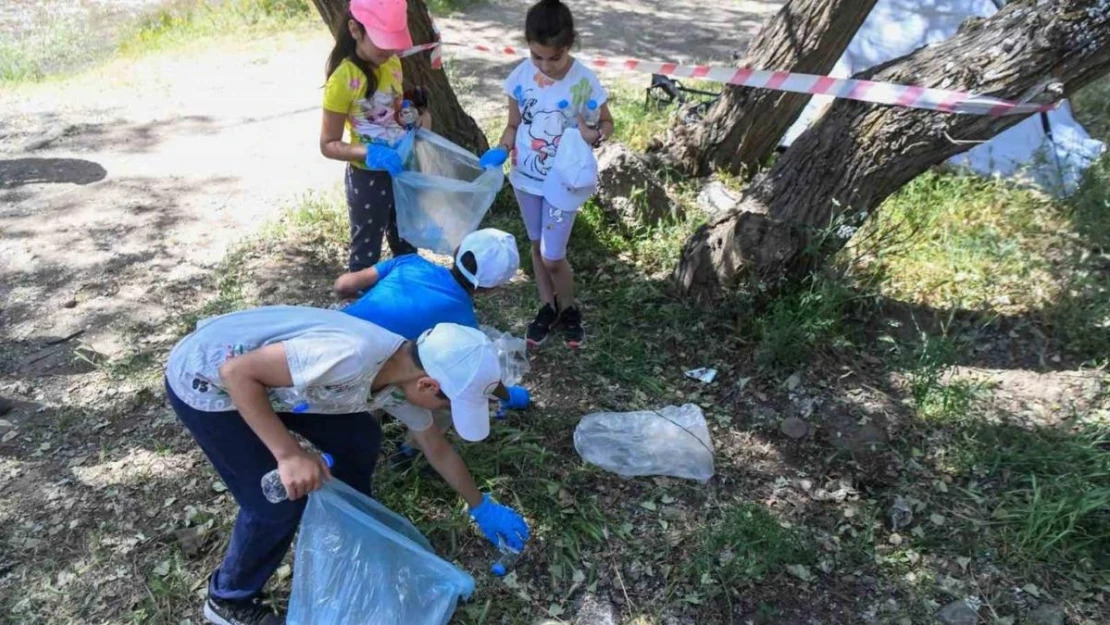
[512, 355]
[358, 562]
[673, 441]
[443, 194]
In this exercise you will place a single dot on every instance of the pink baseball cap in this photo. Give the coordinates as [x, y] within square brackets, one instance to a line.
[386, 21]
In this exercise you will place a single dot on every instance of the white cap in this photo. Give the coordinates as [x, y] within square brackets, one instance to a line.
[464, 362]
[573, 175]
[495, 253]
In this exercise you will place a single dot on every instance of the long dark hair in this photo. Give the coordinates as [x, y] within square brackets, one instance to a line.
[346, 48]
[549, 23]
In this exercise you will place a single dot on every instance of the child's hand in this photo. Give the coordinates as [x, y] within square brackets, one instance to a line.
[591, 135]
[302, 473]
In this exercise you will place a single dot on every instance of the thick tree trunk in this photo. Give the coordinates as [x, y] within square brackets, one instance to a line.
[839, 171]
[448, 117]
[743, 129]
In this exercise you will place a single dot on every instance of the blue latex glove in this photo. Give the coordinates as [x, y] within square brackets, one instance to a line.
[500, 523]
[494, 157]
[383, 158]
[519, 399]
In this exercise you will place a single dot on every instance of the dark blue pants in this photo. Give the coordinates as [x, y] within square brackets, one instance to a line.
[263, 530]
[373, 214]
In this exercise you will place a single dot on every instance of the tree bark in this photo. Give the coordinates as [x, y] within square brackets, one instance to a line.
[743, 129]
[840, 170]
[448, 117]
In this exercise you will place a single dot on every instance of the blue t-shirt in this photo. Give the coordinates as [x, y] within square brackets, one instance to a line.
[413, 295]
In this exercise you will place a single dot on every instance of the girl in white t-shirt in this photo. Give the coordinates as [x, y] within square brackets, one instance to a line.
[546, 93]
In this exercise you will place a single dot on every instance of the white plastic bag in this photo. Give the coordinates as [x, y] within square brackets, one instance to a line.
[512, 355]
[443, 194]
[673, 441]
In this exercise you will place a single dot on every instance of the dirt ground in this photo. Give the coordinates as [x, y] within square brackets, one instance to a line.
[122, 190]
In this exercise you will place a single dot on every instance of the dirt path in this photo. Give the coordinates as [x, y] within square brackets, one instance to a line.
[151, 168]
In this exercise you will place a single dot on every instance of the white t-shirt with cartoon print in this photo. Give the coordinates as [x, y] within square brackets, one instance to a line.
[541, 127]
[333, 359]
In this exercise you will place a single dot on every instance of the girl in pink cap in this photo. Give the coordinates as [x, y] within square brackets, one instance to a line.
[364, 92]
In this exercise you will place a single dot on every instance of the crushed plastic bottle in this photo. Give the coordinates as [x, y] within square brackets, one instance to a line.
[408, 115]
[592, 114]
[512, 355]
[274, 490]
[505, 561]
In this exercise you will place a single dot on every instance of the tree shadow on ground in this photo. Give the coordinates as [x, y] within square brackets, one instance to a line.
[20, 171]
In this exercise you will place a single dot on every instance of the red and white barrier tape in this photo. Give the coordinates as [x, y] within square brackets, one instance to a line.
[943, 100]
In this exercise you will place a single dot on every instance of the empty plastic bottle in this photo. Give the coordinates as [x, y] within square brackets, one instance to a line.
[568, 114]
[505, 561]
[408, 115]
[592, 114]
[274, 490]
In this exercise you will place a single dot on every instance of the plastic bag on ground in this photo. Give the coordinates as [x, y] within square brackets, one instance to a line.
[358, 562]
[673, 441]
[443, 194]
[512, 355]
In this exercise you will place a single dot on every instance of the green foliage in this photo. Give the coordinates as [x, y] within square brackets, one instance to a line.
[748, 544]
[803, 321]
[184, 23]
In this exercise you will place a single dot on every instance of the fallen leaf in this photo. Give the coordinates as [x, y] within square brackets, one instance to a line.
[554, 610]
[162, 569]
[937, 519]
[649, 505]
[963, 561]
[667, 499]
[578, 576]
[800, 571]
[895, 539]
[219, 487]
[1032, 589]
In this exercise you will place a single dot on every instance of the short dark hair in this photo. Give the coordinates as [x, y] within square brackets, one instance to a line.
[470, 263]
[549, 23]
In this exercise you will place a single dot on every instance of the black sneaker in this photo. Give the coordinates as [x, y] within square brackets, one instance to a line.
[541, 325]
[223, 612]
[571, 321]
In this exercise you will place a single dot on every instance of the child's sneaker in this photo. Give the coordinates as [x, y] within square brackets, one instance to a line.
[541, 325]
[221, 612]
[571, 321]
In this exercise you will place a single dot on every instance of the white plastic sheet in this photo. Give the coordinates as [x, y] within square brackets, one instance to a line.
[898, 27]
[672, 441]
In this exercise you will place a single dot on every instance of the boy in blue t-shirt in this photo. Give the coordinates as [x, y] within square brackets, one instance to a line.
[408, 294]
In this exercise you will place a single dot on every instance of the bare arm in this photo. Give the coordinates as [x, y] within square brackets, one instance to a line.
[332, 144]
[446, 461]
[246, 378]
[508, 136]
[354, 283]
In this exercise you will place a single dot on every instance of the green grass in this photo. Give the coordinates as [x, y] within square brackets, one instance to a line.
[186, 22]
[746, 545]
[1053, 493]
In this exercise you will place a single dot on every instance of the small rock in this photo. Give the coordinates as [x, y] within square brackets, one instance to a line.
[794, 427]
[901, 514]
[628, 189]
[716, 198]
[595, 611]
[70, 303]
[191, 541]
[958, 613]
[1047, 615]
[867, 581]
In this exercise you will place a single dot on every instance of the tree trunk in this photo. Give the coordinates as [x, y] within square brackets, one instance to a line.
[840, 170]
[743, 129]
[448, 117]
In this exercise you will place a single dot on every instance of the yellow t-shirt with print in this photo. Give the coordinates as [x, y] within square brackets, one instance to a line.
[370, 117]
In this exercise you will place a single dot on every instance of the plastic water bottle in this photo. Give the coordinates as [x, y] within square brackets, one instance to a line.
[408, 115]
[593, 114]
[274, 490]
[505, 561]
[567, 113]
